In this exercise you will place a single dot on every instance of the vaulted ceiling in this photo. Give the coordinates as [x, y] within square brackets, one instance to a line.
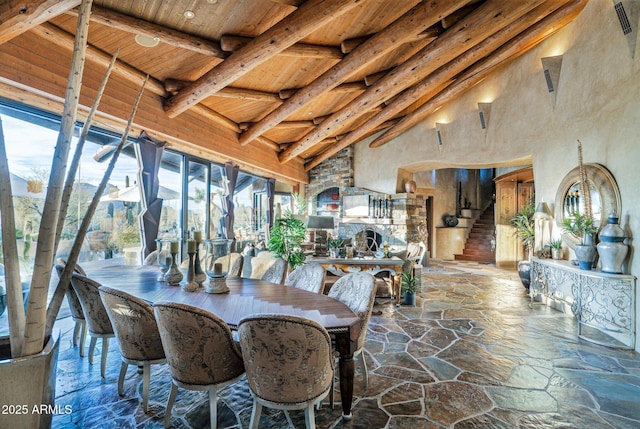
[283, 83]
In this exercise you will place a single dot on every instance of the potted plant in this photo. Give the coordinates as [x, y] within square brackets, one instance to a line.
[285, 240]
[556, 248]
[582, 226]
[335, 246]
[29, 367]
[408, 285]
[524, 225]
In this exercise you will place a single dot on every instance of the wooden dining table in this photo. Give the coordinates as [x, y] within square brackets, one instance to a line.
[245, 297]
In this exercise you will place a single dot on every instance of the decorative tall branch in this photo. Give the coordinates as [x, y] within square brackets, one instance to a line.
[65, 278]
[15, 302]
[36, 310]
[585, 190]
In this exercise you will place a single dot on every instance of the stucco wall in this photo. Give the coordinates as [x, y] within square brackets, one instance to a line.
[597, 101]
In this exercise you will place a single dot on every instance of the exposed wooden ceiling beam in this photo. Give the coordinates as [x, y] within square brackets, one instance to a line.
[350, 44]
[312, 15]
[475, 74]
[19, 16]
[444, 76]
[487, 19]
[173, 86]
[132, 25]
[230, 43]
[343, 87]
[415, 21]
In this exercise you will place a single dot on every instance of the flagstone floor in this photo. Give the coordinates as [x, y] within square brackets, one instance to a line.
[471, 354]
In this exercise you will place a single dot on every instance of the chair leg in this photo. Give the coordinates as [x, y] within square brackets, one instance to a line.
[255, 414]
[83, 337]
[213, 406]
[76, 333]
[309, 417]
[123, 372]
[105, 351]
[365, 375]
[146, 378]
[92, 348]
[286, 414]
[172, 399]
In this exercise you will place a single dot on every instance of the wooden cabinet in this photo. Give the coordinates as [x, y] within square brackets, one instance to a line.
[513, 191]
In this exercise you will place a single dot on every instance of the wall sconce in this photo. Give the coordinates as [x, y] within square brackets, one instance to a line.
[627, 13]
[551, 67]
[439, 131]
[484, 112]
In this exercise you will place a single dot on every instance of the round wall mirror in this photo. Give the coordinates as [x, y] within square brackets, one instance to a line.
[604, 192]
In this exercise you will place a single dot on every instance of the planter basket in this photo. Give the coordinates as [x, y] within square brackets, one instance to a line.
[28, 385]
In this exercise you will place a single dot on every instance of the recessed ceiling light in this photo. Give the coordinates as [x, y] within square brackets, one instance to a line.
[212, 1]
[189, 14]
[147, 41]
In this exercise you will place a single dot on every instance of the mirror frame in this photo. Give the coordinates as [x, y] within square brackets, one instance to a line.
[603, 181]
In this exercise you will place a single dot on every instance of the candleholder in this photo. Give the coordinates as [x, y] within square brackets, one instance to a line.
[191, 285]
[217, 265]
[200, 275]
[173, 276]
[164, 258]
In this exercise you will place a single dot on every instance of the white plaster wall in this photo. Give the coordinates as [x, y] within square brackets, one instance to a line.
[598, 102]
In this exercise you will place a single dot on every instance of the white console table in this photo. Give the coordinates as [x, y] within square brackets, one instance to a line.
[604, 302]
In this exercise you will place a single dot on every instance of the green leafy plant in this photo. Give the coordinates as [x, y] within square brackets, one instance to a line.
[285, 240]
[556, 243]
[525, 226]
[335, 243]
[408, 281]
[580, 225]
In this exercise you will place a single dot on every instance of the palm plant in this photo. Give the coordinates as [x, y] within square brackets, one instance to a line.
[580, 225]
[524, 224]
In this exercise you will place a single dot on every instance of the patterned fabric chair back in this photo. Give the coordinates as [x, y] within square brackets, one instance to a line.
[134, 324]
[275, 272]
[309, 277]
[357, 291]
[288, 358]
[72, 298]
[199, 347]
[94, 311]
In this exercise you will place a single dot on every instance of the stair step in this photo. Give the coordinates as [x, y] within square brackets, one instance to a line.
[475, 258]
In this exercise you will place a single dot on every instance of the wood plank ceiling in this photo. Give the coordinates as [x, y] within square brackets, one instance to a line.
[302, 79]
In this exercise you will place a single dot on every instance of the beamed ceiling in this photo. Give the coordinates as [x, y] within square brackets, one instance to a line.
[277, 85]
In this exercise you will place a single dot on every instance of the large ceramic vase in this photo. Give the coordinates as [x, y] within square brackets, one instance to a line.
[611, 249]
[586, 255]
[28, 388]
[524, 272]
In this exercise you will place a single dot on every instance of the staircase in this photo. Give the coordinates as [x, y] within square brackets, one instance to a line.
[478, 245]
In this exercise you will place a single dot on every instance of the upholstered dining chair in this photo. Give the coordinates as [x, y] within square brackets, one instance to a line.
[309, 277]
[137, 334]
[358, 292]
[233, 261]
[289, 364]
[200, 352]
[95, 314]
[265, 266]
[80, 324]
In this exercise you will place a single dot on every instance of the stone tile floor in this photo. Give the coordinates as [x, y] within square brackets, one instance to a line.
[471, 354]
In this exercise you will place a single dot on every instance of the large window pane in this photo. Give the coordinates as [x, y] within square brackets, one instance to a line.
[169, 177]
[30, 141]
[197, 179]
